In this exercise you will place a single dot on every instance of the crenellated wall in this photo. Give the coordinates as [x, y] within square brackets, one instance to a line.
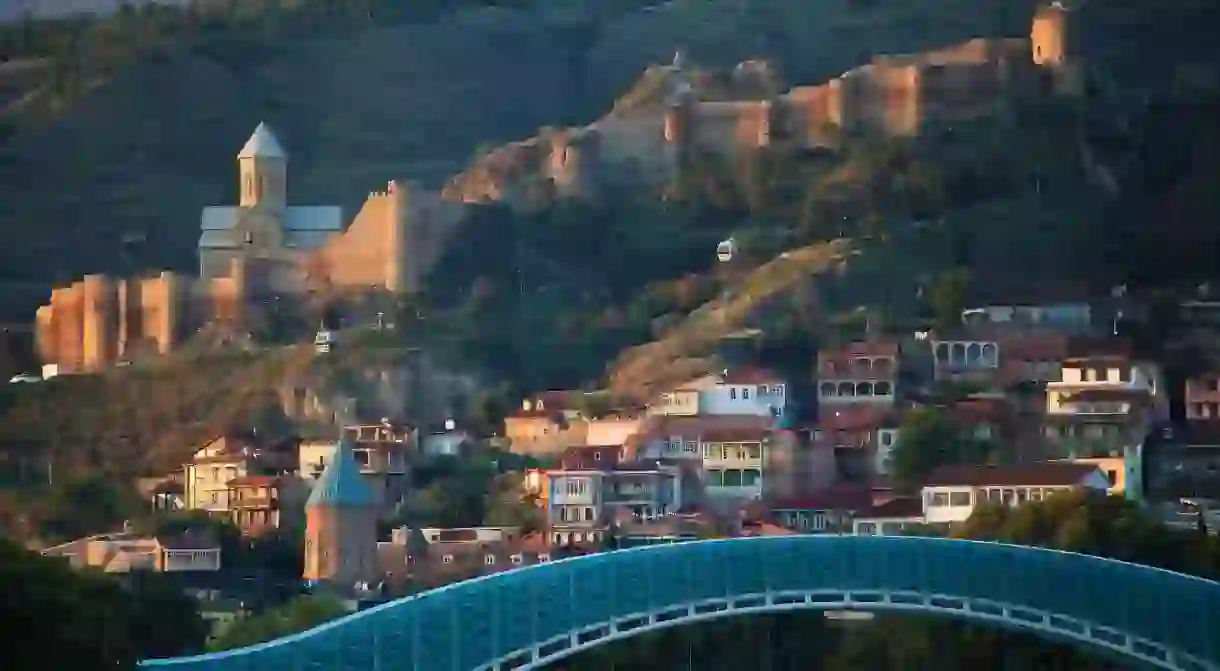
[657, 125]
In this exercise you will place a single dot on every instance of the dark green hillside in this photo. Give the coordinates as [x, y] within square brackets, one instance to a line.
[358, 103]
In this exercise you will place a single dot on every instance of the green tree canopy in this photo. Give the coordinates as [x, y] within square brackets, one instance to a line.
[928, 439]
[58, 618]
[302, 613]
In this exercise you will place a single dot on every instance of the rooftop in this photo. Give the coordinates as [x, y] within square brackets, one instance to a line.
[262, 144]
[341, 484]
[1048, 474]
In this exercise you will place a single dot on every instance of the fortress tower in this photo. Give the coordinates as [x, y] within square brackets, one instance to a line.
[341, 524]
[1052, 43]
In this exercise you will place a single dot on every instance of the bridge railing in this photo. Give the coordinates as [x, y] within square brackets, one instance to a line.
[470, 624]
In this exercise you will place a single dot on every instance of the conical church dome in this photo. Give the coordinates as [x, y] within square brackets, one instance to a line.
[342, 484]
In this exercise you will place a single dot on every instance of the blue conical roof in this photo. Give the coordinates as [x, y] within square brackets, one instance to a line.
[341, 483]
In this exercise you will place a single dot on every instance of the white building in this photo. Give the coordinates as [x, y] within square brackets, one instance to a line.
[744, 391]
[951, 494]
[1083, 377]
[593, 486]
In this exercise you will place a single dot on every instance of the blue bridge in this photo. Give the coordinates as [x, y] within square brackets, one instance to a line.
[531, 617]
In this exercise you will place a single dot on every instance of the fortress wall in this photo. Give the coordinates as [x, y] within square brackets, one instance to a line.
[813, 113]
[44, 334]
[99, 317]
[729, 127]
[362, 256]
[638, 137]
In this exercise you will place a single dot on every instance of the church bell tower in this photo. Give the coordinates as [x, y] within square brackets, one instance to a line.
[263, 166]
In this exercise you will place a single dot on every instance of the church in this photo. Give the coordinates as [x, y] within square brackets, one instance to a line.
[248, 253]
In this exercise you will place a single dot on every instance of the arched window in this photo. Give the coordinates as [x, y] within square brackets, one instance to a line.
[882, 389]
[847, 389]
[828, 389]
[864, 389]
[974, 352]
[958, 356]
[990, 355]
[942, 353]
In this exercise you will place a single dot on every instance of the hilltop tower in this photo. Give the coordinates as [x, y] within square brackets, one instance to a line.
[341, 524]
[263, 165]
[1052, 42]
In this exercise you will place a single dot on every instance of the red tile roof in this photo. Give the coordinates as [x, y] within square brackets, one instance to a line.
[746, 375]
[856, 417]
[707, 427]
[903, 506]
[1034, 347]
[833, 498]
[255, 481]
[591, 458]
[1047, 474]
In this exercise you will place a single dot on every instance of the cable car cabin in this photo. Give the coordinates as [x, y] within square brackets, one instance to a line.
[725, 251]
[323, 342]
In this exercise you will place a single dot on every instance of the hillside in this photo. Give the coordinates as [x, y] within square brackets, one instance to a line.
[141, 154]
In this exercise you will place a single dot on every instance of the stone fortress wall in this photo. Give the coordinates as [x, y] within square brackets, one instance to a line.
[895, 96]
[401, 232]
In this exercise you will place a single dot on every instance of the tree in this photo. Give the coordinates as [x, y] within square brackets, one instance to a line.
[929, 439]
[92, 621]
[298, 615]
[947, 297]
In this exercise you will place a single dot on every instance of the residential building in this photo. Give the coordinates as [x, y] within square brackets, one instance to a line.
[416, 559]
[546, 425]
[1032, 357]
[680, 402]
[860, 438]
[794, 466]
[1203, 397]
[341, 525]
[1102, 406]
[228, 457]
[1063, 317]
[594, 483]
[381, 451]
[826, 511]
[613, 429]
[965, 358]
[264, 503]
[445, 441]
[1114, 469]
[734, 391]
[951, 494]
[894, 517]
[1176, 462]
[862, 372]
[127, 552]
[727, 449]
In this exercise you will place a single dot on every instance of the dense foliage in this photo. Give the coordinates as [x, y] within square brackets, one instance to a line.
[57, 618]
[302, 613]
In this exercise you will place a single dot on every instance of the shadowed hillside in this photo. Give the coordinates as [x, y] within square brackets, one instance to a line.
[143, 152]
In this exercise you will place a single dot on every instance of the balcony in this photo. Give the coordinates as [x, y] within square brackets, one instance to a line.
[630, 495]
[1095, 408]
[255, 503]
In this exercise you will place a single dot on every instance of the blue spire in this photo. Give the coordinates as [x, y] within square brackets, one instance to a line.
[341, 483]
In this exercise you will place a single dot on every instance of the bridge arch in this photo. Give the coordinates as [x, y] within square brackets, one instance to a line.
[529, 617]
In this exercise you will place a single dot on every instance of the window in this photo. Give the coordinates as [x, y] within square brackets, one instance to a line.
[939, 500]
[733, 393]
[1112, 476]
[692, 447]
[215, 496]
[249, 237]
[489, 560]
[866, 529]
[215, 473]
[959, 499]
[516, 559]
[543, 557]
[588, 514]
[887, 438]
[745, 393]
[447, 559]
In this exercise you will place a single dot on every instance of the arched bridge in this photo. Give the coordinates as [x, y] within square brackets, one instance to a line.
[527, 618]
